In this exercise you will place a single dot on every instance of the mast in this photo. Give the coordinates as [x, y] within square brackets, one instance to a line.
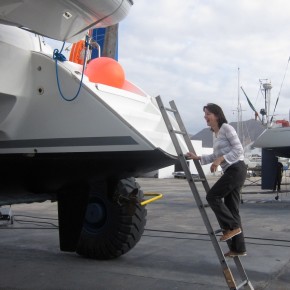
[239, 110]
[110, 48]
[267, 86]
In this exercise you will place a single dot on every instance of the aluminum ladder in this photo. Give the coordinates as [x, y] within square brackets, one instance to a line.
[183, 161]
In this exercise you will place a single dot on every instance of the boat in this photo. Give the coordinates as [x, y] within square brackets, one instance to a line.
[276, 136]
[68, 137]
[274, 141]
[275, 145]
[254, 164]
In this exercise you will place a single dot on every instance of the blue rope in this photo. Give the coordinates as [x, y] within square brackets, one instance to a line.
[58, 56]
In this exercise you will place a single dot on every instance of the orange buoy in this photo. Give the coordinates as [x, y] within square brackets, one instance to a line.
[77, 52]
[105, 70]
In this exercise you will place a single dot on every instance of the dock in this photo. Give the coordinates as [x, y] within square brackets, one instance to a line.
[174, 252]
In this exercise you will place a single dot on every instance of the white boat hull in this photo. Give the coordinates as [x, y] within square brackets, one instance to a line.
[276, 139]
[82, 149]
[105, 130]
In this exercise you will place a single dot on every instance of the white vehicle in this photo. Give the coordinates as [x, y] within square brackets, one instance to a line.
[84, 153]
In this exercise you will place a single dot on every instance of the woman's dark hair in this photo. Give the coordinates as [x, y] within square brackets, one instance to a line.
[218, 112]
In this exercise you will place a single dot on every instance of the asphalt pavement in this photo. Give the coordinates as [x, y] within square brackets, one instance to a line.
[175, 251]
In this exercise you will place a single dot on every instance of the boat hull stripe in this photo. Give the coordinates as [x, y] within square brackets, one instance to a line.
[69, 142]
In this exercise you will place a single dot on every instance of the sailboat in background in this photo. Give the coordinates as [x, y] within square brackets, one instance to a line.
[274, 141]
[276, 137]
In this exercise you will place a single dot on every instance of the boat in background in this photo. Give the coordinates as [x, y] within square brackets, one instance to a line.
[254, 163]
[276, 137]
[274, 141]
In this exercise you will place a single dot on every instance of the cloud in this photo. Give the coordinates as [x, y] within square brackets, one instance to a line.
[190, 51]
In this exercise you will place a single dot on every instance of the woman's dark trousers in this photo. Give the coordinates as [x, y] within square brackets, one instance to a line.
[224, 200]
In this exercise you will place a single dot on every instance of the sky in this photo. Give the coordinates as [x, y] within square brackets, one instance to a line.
[202, 51]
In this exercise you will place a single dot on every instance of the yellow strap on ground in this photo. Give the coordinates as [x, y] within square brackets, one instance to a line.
[155, 197]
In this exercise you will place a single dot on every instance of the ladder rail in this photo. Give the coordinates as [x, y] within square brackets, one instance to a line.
[182, 130]
[189, 145]
[226, 270]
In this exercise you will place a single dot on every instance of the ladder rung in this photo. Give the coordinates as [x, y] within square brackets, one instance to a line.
[198, 179]
[218, 231]
[170, 110]
[242, 284]
[179, 132]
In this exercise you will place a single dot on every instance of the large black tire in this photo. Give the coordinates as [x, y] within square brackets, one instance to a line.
[113, 223]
